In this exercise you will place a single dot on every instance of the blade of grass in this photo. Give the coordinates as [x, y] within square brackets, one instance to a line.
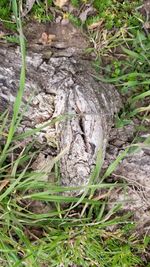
[18, 99]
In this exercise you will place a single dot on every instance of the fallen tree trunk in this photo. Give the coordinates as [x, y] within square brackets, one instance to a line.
[62, 86]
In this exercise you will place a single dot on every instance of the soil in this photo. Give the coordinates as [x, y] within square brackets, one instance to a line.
[65, 35]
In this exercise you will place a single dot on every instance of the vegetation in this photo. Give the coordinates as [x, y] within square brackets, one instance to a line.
[78, 231]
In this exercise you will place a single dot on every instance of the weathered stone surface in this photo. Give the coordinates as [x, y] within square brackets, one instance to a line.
[62, 85]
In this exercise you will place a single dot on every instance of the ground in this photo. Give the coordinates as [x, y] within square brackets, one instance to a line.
[94, 229]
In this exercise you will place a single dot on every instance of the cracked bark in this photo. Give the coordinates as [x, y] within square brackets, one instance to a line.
[64, 85]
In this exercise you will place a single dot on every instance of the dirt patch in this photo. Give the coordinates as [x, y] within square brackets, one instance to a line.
[65, 35]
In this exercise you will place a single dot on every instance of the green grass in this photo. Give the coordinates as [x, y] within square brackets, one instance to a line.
[84, 246]
[40, 14]
[77, 230]
[118, 13]
[131, 76]
[6, 15]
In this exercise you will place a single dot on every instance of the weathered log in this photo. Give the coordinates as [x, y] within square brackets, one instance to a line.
[62, 85]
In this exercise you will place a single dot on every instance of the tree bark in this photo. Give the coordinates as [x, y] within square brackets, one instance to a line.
[62, 86]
